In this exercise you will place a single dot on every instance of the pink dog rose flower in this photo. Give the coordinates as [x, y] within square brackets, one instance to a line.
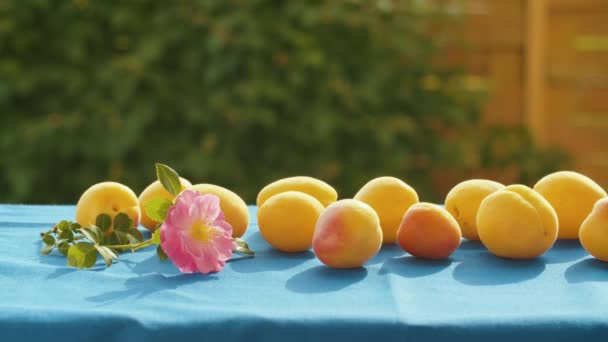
[195, 235]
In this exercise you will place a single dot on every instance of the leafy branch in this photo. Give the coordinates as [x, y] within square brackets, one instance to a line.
[83, 245]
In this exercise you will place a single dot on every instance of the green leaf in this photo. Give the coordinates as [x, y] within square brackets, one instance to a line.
[157, 208]
[118, 238]
[156, 236]
[111, 252]
[106, 258]
[82, 255]
[168, 178]
[63, 225]
[108, 240]
[100, 234]
[48, 240]
[107, 254]
[66, 234]
[132, 239]
[104, 222]
[63, 247]
[75, 226]
[123, 222]
[91, 234]
[161, 254]
[137, 235]
[46, 250]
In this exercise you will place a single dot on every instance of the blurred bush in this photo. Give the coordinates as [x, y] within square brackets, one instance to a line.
[238, 93]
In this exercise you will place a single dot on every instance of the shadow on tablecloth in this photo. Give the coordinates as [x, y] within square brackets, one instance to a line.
[485, 269]
[321, 279]
[587, 270]
[411, 267]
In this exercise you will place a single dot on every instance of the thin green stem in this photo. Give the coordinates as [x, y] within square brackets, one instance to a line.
[134, 246]
[52, 230]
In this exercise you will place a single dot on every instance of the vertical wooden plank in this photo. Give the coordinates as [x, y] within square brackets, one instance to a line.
[536, 19]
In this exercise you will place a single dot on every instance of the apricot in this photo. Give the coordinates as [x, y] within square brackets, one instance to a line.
[287, 220]
[390, 197]
[572, 195]
[316, 188]
[107, 198]
[347, 234]
[517, 222]
[234, 208]
[463, 202]
[594, 231]
[155, 190]
[428, 231]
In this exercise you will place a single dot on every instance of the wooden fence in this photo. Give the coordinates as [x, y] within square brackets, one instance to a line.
[546, 62]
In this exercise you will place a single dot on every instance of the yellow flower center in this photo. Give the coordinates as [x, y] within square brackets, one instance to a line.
[201, 232]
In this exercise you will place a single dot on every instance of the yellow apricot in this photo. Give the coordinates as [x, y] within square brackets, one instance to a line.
[428, 231]
[287, 220]
[463, 202]
[572, 195]
[594, 231]
[347, 234]
[106, 198]
[390, 197]
[234, 208]
[155, 190]
[316, 188]
[517, 222]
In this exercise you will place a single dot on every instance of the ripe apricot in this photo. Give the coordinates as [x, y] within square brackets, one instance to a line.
[287, 220]
[316, 188]
[347, 234]
[428, 231]
[517, 222]
[390, 197]
[463, 202]
[107, 198]
[594, 231]
[572, 195]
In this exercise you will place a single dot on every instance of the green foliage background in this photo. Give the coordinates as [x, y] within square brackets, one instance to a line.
[237, 93]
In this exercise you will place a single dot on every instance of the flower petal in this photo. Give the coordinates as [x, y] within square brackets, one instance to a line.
[209, 206]
[186, 252]
[221, 216]
[192, 246]
[172, 246]
[223, 225]
[209, 263]
[186, 197]
[178, 218]
[224, 246]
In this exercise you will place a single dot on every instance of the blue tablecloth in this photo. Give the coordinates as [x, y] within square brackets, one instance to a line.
[473, 296]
